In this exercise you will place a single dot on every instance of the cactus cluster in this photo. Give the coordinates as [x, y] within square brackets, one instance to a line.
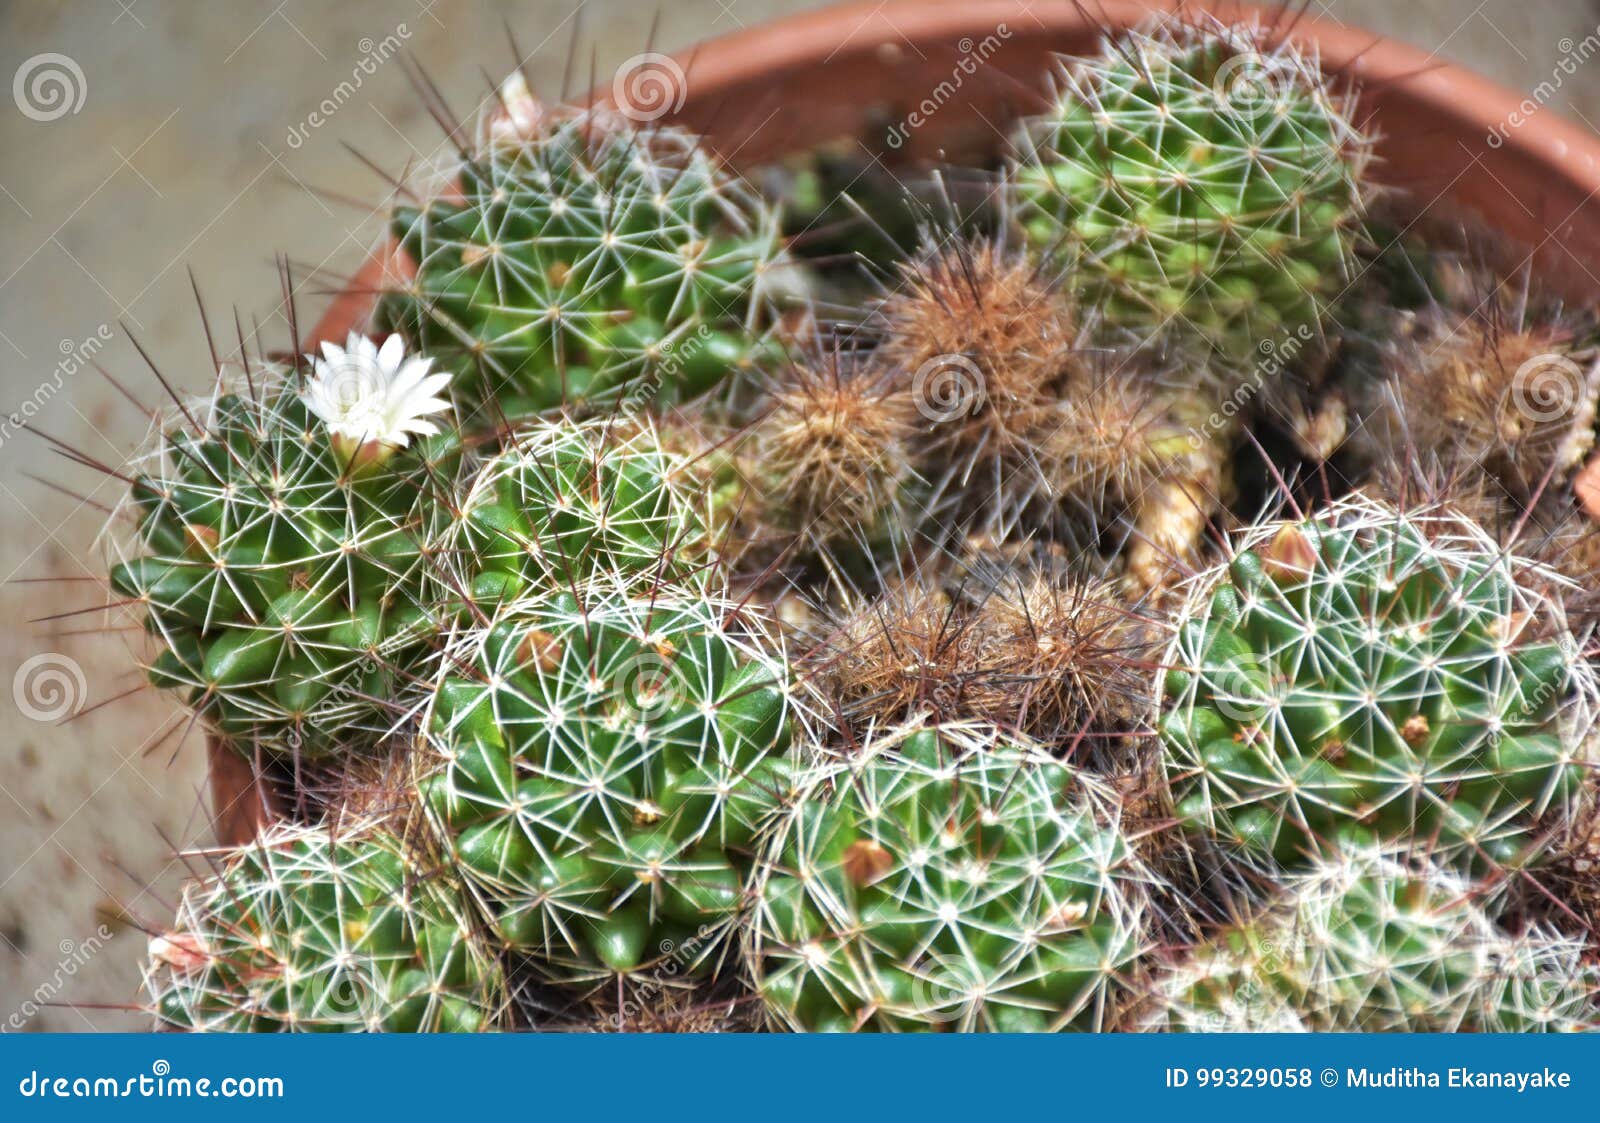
[283, 569]
[948, 879]
[1034, 652]
[583, 260]
[308, 930]
[1369, 676]
[1204, 182]
[1073, 736]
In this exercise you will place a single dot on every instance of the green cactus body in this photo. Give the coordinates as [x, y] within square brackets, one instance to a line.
[283, 580]
[945, 880]
[585, 262]
[1372, 676]
[1203, 181]
[1375, 943]
[571, 501]
[603, 768]
[304, 932]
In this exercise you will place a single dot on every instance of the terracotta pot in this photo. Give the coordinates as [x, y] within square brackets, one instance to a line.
[1449, 142]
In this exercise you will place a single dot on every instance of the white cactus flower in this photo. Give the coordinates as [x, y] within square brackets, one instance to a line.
[373, 399]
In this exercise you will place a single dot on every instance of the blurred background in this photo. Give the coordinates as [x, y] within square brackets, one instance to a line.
[148, 138]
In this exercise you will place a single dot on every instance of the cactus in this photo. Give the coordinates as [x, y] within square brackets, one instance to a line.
[305, 931]
[1042, 655]
[829, 462]
[1121, 445]
[578, 260]
[981, 346]
[945, 879]
[282, 547]
[1378, 943]
[1370, 675]
[1203, 182]
[602, 766]
[570, 501]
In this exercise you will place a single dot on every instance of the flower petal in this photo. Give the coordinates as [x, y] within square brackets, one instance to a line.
[391, 354]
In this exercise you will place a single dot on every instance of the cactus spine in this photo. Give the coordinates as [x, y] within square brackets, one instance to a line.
[282, 563]
[569, 502]
[602, 767]
[581, 260]
[1381, 943]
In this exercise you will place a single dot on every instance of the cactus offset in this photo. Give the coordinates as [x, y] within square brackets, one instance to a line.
[569, 501]
[945, 880]
[1371, 675]
[1480, 394]
[829, 461]
[303, 931]
[1203, 182]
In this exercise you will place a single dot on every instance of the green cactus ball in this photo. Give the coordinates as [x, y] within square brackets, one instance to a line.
[583, 260]
[947, 879]
[1380, 943]
[1367, 675]
[1202, 180]
[603, 765]
[281, 549]
[307, 931]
